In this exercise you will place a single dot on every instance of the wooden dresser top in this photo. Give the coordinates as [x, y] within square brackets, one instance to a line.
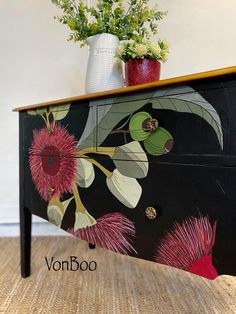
[136, 88]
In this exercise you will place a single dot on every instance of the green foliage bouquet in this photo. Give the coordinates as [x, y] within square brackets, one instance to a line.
[136, 22]
[132, 49]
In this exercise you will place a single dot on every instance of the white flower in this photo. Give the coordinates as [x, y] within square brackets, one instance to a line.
[55, 215]
[85, 173]
[56, 210]
[131, 160]
[119, 51]
[127, 190]
[140, 50]
[155, 49]
[83, 220]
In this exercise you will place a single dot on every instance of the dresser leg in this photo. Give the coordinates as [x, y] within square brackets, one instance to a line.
[25, 240]
[25, 214]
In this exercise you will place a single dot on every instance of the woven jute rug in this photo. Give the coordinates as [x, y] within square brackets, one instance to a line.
[120, 284]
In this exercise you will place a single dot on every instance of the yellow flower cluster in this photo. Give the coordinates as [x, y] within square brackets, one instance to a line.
[119, 51]
[132, 49]
[140, 50]
[155, 49]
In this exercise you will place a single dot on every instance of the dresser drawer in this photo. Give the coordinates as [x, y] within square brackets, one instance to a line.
[194, 127]
[177, 192]
[204, 134]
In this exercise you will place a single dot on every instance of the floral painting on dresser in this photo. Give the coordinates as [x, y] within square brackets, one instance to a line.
[120, 145]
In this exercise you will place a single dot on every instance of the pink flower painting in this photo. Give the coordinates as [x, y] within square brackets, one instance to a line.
[113, 231]
[189, 247]
[52, 173]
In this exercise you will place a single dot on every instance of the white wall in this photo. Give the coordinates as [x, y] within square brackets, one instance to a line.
[202, 35]
[38, 64]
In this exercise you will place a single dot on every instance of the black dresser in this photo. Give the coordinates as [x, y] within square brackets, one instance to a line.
[148, 171]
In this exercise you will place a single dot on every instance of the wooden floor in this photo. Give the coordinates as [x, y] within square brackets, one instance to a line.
[120, 284]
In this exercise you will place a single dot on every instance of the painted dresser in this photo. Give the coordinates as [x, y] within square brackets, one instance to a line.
[148, 171]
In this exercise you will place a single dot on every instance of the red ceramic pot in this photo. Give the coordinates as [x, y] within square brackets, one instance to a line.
[139, 71]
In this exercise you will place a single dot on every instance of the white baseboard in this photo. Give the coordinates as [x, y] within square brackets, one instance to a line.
[10, 215]
[42, 228]
[9, 224]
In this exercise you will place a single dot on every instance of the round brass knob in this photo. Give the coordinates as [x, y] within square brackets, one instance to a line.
[150, 212]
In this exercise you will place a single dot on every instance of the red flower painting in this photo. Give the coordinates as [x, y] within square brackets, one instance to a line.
[52, 173]
[112, 231]
[189, 247]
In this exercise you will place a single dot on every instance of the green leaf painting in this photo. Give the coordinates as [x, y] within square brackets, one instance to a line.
[38, 111]
[41, 110]
[60, 112]
[189, 101]
[32, 112]
[51, 114]
[104, 115]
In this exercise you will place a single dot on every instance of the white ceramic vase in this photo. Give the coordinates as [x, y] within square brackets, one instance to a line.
[104, 71]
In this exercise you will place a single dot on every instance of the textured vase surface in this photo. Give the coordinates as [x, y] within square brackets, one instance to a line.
[104, 71]
[140, 71]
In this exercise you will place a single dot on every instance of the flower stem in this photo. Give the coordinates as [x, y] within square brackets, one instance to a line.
[48, 122]
[109, 151]
[120, 131]
[55, 200]
[99, 166]
[125, 122]
[79, 205]
[44, 119]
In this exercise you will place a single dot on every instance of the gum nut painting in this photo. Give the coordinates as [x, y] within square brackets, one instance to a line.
[59, 180]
